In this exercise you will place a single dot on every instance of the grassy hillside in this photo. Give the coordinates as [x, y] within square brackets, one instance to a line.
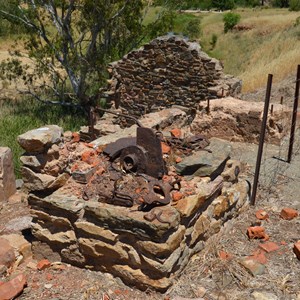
[271, 44]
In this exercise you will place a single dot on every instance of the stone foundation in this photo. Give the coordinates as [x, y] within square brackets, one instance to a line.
[147, 249]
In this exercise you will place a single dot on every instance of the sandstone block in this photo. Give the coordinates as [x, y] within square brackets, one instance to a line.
[200, 228]
[19, 244]
[7, 255]
[38, 140]
[36, 181]
[13, 288]
[7, 176]
[204, 163]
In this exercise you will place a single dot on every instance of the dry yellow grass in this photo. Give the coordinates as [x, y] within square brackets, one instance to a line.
[271, 46]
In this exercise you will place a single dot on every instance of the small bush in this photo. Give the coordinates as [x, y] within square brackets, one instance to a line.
[297, 22]
[230, 20]
[295, 5]
[192, 28]
[223, 4]
[213, 41]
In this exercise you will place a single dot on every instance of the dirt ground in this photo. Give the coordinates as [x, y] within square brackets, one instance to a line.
[208, 275]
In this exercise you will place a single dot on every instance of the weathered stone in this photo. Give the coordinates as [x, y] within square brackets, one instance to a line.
[133, 222]
[231, 170]
[164, 268]
[36, 181]
[19, 244]
[13, 288]
[240, 121]
[7, 255]
[59, 239]
[253, 266]
[137, 278]
[58, 205]
[7, 176]
[34, 162]
[189, 205]
[38, 140]
[204, 163]
[59, 181]
[18, 224]
[200, 227]
[87, 229]
[162, 250]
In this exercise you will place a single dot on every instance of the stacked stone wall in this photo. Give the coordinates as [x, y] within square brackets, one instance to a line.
[168, 71]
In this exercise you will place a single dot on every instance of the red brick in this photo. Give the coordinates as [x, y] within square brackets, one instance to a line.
[262, 215]
[224, 255]
[12, 288]
[165, 148]
[43, 264]
[177, 196]
[288, 213]
[7, 255]
[76, 137]
[296, 249]
[269, 247]
[257, 232]
[259, 256]
[178, 159]
[176, 132]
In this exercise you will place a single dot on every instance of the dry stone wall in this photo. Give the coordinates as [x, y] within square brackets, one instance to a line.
[168, 71]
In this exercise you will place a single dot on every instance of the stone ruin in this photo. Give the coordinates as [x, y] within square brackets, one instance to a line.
[168, 71]
[99, 212]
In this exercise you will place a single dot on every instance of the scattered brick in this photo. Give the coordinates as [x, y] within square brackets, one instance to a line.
[269, 247]
[76, 137]
[288, 213]
[176, 133]
[178, 159]
[262, 215]
[13, 288]
[43, 264]
[177, 196]
[257, 232]
[88, 156]
[259, 256]
[165, 148]
[296, 249]
[224, 255]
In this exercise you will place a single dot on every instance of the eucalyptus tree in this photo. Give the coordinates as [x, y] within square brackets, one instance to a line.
[71, 41]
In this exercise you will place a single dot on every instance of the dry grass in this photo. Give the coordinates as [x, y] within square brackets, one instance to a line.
[271, 46]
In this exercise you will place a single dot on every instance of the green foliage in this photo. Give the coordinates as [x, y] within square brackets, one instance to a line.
[223, 4]
[213, 41]
[192, 28]
[70, 44]
[230, 20]
[25, 114]
[280, 3]
[295, 5]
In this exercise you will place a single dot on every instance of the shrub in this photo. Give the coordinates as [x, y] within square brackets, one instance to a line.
[230, 20]
[223, 4]
[213, 41]
[295, 5]
[192, 28]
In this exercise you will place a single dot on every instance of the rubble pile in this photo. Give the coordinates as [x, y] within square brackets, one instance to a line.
[142, 222]
[169, 70]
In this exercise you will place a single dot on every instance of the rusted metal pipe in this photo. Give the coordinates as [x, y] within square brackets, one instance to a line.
[294, 117]
[281, 100]
[262, 138]
[272, 109]
[208, 107]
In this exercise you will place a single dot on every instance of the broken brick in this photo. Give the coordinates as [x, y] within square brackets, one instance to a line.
[257, 232]
[259, 256]
[224, 255]
[296, 249]
[269, 247]
[176, 133]
[13, 288]
[43, 264]
[262, 214]
[89, 156]
[76, 137]
[178, 159]
[177, 196]
[288, 213]
[166, 149]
